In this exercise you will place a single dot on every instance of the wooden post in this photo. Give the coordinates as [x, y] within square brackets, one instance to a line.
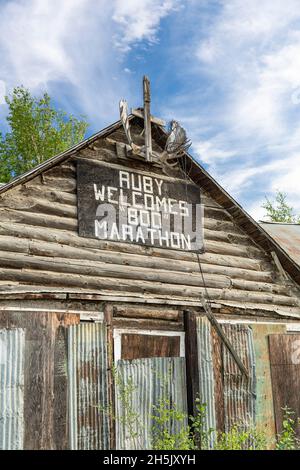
[108, 318]
[191, 358]
[147, 119]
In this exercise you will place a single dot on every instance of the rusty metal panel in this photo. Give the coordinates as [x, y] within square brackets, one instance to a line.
[265, 419]
[287, 235]
[285, 373]
[206, 372]
[88, 396]
[239, 391]
[140, 385]
[12, 347]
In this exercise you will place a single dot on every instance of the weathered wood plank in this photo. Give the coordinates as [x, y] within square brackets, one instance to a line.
[138, 346]
[191, 360]
[218, 380]
[285, 373]
[43, 395]
[98, 269]
[142, 287]
[142, 312]
[147, 324]
[74, 247]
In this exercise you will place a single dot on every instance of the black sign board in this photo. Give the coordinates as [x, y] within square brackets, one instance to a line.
[119, 204]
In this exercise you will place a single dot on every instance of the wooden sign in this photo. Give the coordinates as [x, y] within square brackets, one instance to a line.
[120, 204]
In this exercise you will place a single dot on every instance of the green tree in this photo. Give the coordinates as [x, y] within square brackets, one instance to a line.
[37, 131]
[279, 210]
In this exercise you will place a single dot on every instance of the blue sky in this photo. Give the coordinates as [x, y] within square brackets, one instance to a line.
[229, 71]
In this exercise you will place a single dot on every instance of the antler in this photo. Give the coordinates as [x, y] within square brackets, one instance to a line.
[177, 142]
[125, 121]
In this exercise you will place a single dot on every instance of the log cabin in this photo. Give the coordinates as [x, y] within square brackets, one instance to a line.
[216, 316]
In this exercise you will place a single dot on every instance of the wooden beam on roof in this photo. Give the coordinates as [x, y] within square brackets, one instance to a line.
[155, 120]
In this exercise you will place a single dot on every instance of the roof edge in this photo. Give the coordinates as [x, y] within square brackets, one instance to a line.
[61, 157]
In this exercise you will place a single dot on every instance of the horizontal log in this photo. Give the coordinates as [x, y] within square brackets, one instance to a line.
[142, 287]
[229, 237]
[40, 220]
[98, 248]
[66, 170]
[65, 223]
[62, 184]
[100, 269]
[216, 213]
[261, 287]
[54, 195]
[208, 201]
[144, 324]
[228, 226]
[39, 206]
[60, 249]
[141, 312]
[234, 250]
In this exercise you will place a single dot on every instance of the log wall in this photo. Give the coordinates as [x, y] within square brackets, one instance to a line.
[40, 249]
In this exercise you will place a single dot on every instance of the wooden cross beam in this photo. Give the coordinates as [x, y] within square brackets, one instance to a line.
[223, 337]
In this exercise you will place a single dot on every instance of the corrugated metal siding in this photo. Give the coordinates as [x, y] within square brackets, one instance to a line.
[140, 385]
[206, 372]
[12, 348]
[287, 236]
[239, 392]
[88, 396]
[265, 419]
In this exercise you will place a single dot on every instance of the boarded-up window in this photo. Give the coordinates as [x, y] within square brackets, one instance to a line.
[135, 346]
[285, 373]
[142, 344]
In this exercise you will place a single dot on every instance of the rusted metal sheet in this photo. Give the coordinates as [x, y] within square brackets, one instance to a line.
[88, 397]
[285, 373]
[288, 237]
[206, 372]
[239, 391]
[12, 347]
[45, 381]
[265, 420]
[140, 385]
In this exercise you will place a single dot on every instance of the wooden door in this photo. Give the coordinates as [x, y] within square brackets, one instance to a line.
[285, 373]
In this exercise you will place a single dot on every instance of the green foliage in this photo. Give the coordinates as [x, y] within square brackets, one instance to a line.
[170, 430]
[287, 439]
[279, 210]
[201, 436]
[130, 420]
[239, 439]
[37, 132]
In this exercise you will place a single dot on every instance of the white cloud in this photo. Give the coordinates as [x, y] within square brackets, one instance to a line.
[248, 53]
[139, 20]
[73, 43]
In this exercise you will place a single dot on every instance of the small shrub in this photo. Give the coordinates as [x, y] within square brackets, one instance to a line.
[239, 439]
[287, 439]
[170, 430]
